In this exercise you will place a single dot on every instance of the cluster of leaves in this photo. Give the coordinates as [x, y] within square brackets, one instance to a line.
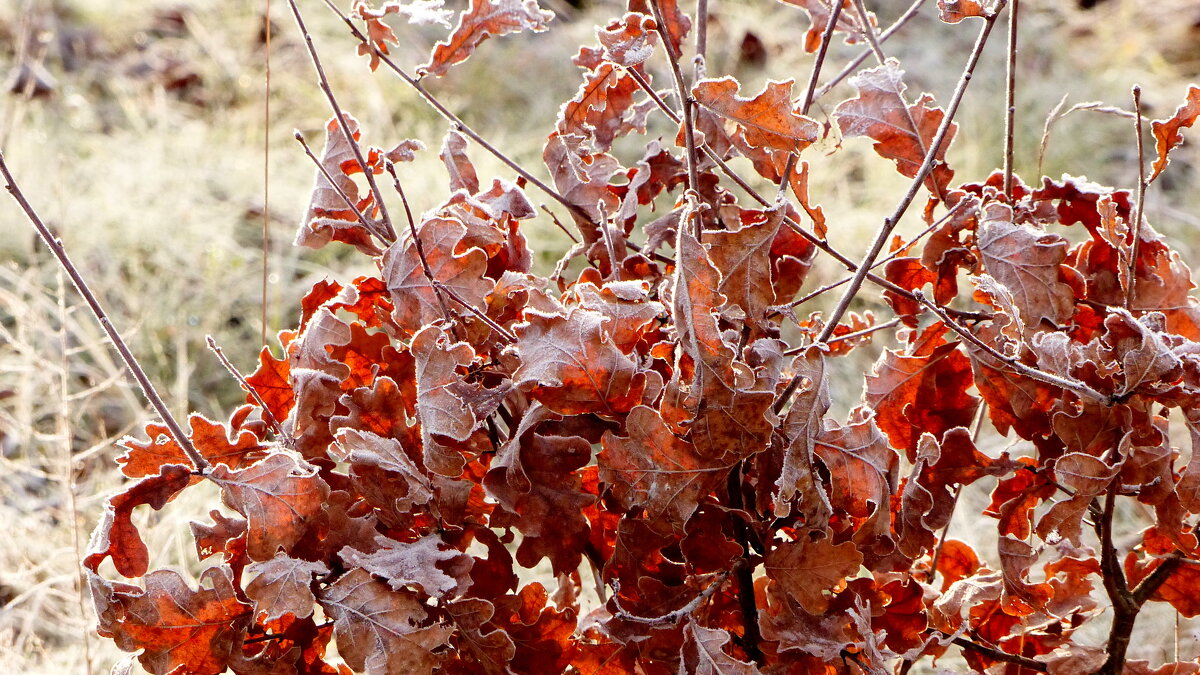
[656, 427]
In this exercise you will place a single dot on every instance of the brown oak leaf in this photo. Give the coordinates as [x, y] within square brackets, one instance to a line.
[283, 585]
[116, 536]
[381, 631]
[440, 570]
[768, 120]
[279, 496]
[657, 470]
[329, 217]
[812, 568]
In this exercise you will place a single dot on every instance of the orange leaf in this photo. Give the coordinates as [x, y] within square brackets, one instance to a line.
[482, 20]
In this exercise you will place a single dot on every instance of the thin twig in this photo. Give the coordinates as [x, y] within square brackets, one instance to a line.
[135, 368]
[857, 61]
[869, 32]
[268, 416]
[1001, 655]
[456, 123]
[385, 218]
[362, 218]
[64, 431]
[701, 35]
[890, 222]
[1136, 226]
[1010, 111]
[1080, 388]
[1050, 120]
[672, 618]
[813, 76]
[685, 98]
[558, 223]
[266, 219]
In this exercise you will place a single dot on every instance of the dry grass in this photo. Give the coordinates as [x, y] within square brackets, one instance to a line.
[158, 194]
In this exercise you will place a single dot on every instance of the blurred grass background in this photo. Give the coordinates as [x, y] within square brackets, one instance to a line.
[136, 128]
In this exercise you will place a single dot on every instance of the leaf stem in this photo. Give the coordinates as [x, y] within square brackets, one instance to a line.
[1010, 100]
[385, 218]
[139, 375]
[1136, 226]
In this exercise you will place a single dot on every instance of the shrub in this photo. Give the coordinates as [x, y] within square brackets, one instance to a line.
[652, 420]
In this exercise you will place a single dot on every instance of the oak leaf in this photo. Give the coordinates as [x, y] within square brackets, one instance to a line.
[902, 132]
[570, 364]
[1167, 132]
[768, 120]
[282, 586]
[329, 217]
[656, 470]
[812, 568]
[279, 496]
[117, 537]
[483, 19]
[437, 568]
[208, 438]
[1027, 261]
[178, 629]
[703, 653]
[381, 631]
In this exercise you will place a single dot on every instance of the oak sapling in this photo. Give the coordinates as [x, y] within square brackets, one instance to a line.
[654, 417]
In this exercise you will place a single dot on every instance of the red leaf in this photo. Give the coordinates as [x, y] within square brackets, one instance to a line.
[1167, 132]
[902, 132]
[768, 120]
[656, 470]
[178, 629]
[272, 382]
[603, 109]
[953, 11]
[381, 631]
[279, 496]
[208, 437]
[923, 390]
[482, 20]
[117, 537]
